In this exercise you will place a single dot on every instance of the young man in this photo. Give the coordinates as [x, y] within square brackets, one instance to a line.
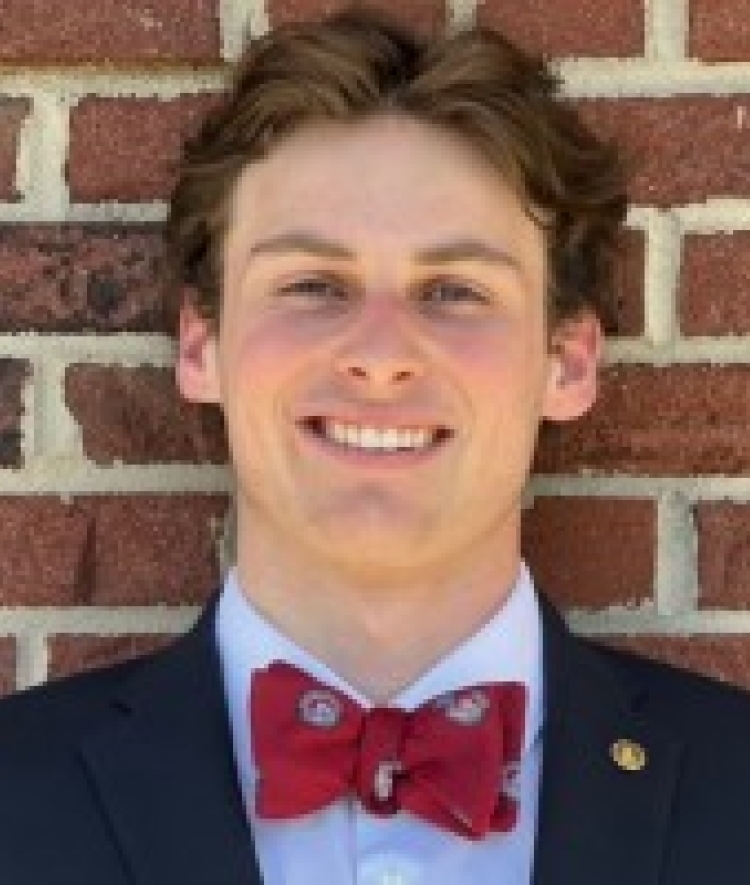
[393, 259]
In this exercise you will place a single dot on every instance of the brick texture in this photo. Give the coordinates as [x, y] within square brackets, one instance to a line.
[723, 554]
[569, 27]
[109, 550]
[77, 278]
[671, 421]
[631, 265]
[110, 31]
[714, 287]
[137, 416]
[682, 150]
[126, 148]
[13, 112]
[13, 375]
[427, 16]
[719, 30]
[7, 665]
[591, 552]
[71, 654]
[721, 657]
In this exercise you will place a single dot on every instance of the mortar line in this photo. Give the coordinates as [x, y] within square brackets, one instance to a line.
[72, 476]
[462, 14]
[38, 623]
[666, 29]
[31, 659]
[676, 556]
[663, 247]
[691, 488]
[240, 19]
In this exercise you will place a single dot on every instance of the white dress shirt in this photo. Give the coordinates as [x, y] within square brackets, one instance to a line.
[345, 845]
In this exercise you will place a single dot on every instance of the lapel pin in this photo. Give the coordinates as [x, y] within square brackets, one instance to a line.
[628, 755]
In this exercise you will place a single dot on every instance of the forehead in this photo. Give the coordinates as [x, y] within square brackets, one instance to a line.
[390, 176]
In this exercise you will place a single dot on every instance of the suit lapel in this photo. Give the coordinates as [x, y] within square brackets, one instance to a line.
[164, 772]
[598, 822]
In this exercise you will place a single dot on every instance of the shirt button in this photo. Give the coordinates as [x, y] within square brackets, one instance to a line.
[388, 871]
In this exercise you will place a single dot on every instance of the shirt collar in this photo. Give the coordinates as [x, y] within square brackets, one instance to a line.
[508, 648]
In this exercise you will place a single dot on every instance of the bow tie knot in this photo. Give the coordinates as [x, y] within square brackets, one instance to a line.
[445, 762]
[380, 759]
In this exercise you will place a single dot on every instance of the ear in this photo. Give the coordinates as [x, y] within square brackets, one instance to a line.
[197, 358]
[576, 347]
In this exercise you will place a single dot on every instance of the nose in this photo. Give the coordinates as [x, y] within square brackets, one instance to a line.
[380, 351]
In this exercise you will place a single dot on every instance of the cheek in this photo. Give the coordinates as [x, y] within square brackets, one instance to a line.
[502, 367]
[257, 349]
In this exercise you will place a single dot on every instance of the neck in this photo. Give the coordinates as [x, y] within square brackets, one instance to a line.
[377, 635]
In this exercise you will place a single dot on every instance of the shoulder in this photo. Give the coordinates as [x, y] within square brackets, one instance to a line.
[707, 713]
[673, 684]
[48, 718]
[58, 711]
[593, 669]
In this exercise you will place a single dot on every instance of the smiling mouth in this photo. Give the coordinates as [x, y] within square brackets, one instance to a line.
[385, 440]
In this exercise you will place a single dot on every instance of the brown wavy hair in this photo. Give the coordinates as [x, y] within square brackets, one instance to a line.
[475, 83]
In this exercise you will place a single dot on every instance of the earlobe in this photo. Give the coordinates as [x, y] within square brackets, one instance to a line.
[576, 350]
[197, 358]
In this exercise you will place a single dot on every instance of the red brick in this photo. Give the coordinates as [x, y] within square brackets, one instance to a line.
[111, 31]
[723, 554]
[629, 284]
[13, 376]
[157, 549]
[89, 278]
[42, 540]
[683, 149]
[13, 112]
[126, 148]
[109, 550]
[719, 30]
[726, 658]
[675, 420]
[714, 287]
[75, 654]
[426, 16]
[7, 665]
[591, 553]
[569, 27]
[137, 416]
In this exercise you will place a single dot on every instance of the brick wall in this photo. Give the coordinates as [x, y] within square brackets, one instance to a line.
[113, 494]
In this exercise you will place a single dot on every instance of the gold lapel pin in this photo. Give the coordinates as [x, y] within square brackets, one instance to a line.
[628, 755]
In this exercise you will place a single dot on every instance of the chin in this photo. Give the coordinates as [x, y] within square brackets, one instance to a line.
[375, 553]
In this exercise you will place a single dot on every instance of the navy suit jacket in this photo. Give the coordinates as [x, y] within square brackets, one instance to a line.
[126, 776]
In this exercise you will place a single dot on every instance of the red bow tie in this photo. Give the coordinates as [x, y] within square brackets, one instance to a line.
[452, 761]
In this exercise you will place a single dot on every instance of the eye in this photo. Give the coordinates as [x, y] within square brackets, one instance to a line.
[315, 288]
[453, 292]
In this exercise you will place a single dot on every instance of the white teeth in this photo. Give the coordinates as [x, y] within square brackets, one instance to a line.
[388, 439]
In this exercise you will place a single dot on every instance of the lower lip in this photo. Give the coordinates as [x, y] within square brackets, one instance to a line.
[379, 459]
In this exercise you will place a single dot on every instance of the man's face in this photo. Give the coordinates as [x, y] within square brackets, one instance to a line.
[382, 358]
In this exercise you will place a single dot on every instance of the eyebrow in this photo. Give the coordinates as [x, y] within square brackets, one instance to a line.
[300, 242]
[467, 249]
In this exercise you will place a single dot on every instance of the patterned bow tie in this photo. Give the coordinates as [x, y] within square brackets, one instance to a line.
[453, 761]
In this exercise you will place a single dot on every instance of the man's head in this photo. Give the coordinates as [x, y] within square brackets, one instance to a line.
[475, 84]
[395, 254]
